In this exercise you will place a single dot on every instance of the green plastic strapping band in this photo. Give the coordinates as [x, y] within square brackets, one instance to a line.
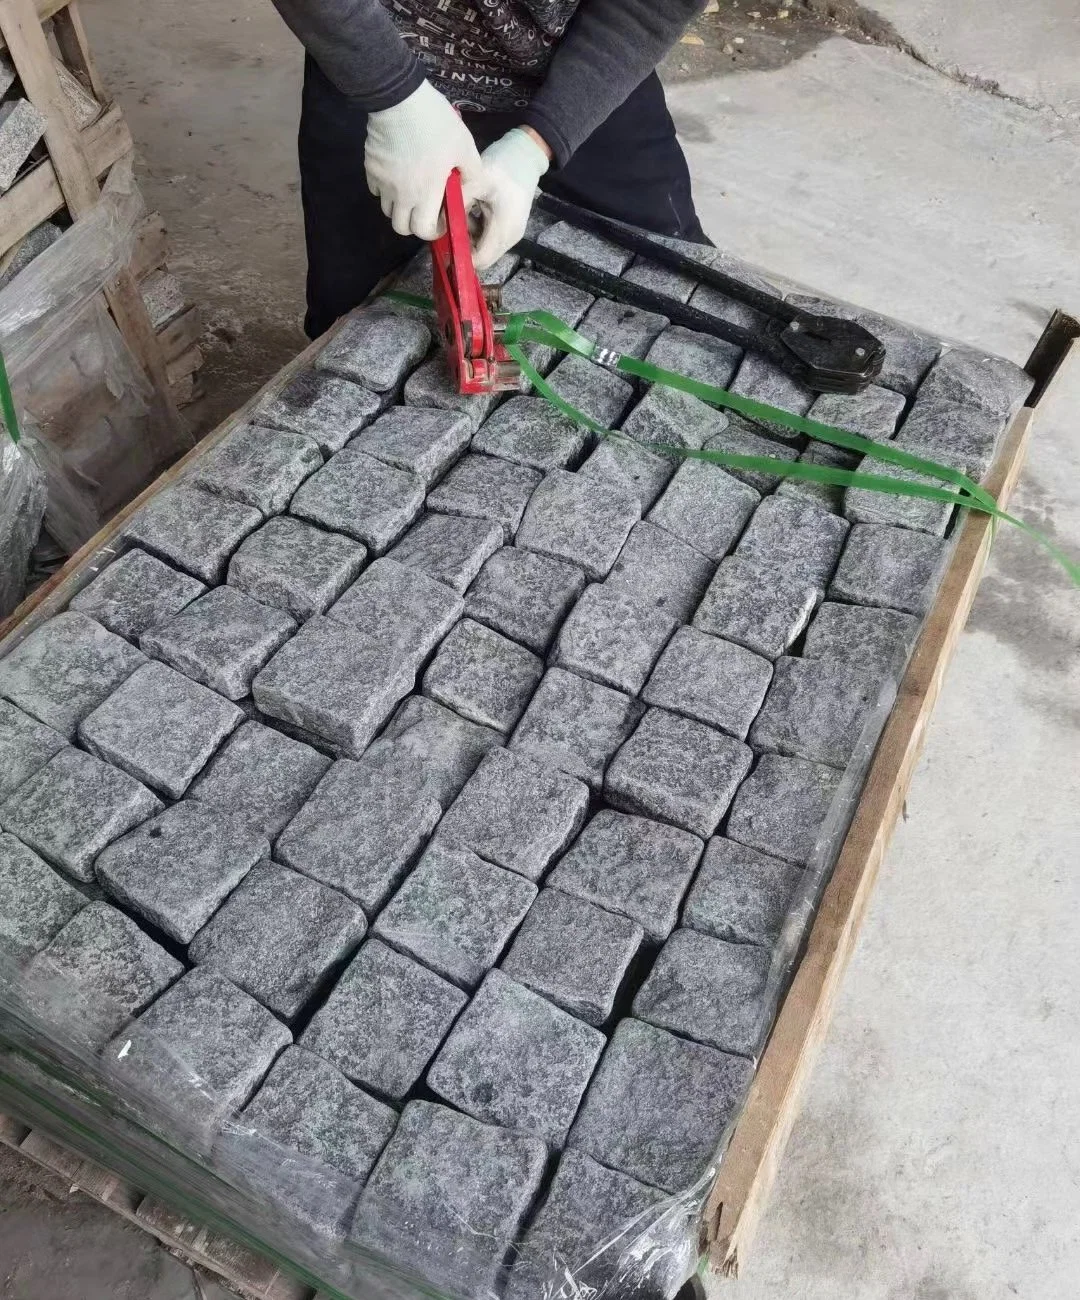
[7, 402]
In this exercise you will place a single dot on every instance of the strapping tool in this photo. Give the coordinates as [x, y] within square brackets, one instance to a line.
[469, 313]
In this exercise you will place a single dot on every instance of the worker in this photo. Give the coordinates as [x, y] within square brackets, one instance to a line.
[557, 93]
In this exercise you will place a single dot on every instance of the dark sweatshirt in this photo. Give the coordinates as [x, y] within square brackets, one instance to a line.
[561, 66]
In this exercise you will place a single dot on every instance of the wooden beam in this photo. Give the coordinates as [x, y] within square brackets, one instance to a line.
[74, 46]
[45, 10]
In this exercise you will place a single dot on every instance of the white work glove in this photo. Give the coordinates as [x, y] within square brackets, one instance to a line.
[410, 151]
[513, 166]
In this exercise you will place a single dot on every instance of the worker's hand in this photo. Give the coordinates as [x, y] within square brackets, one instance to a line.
[513, 166]
[410, 151]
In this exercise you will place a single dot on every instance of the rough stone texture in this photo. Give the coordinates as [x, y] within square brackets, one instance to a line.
[756, 605]
[455, 1221]
[958, 435]
[259, 467]
[583, 246]
[742, 438]
[449, 548]
[524, 595]
[447, 747]
[363, 497]
[384, 1020]
[323, 407]
[516, 1060]
[677, 770]
[424, 442]
[64, 669]
[41, 237]
[400, 609]
[360, 831]
[875, 412]
[575, 725]
[260, 778]
[781, 806]
[624, 462]
[600, 394]
[375, 348]
[661, 279]
[221, 639]
[333, 683]
[23, 493]
[516, 813]
[703, 357]
[612, 638]
[660, 572]
[862, 506]
[574, 954]
[705, 507]
[528, 431]
[740, 895]
[160, 727]
[877, 639]
[178, 868]
[708, 990]
[73, 807]
[528, 290]
[666, 417]
[710, 680]
[707, 299]
[21, 127]
[484, 487]
[581, 518]
[658, 1106]
[278, 936]
[295, 566]
[826, 496]
[26, 745]
[760, 379]
[889, 567]
[135, 593]
[621, 328]
[816, 709]
[968, 377]
[633, 866]
[792, 534]
[455, 913]
[193, 529]
[483, 676]
[309, 1139]
[433, 385]
[98, 973]
[35, 903]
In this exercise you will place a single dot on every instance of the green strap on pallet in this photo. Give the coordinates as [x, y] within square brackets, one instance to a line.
[7, 402]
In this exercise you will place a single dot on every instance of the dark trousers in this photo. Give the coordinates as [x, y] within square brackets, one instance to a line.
[631, 168]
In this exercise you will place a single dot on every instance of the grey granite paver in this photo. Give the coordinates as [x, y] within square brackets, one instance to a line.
[705, 507]
[826, 496]
[677, 770]
[278, 936]
[969, 377]
[524, 595]
[661, 279]
[658, 1106]
[761, 380]
[710, 680]
[447, 747]
[516, 813]
[135, 593]
[708, 990]
[258, 467]
[516, 1060]
[703, 357]
[894, 568]
[740, 895]
[865, 506]
[875, 412]
[661, 572]
[582, 518]
[22, 125]
[714, 303]
[295, 566]
[816, 709]
[177, 868]
[64, 669]
[325, 408]
[483, 676]
[530, 432]
[621, 460]
[73, 807]
[574, 954]
[530, 289]
[484, 487]
[878, 639]
[193, 529]
[222, 640]
[424, 441]
[757, 605]
[575, 725]
[400, 609]
[362, 497]
[633, 866]
[741, 438]
[622, 328]
[384, 1020]
[456, 1222]
[26, 745]
[434, 386]
[666, 417]
[583, 246]
[375, 349]
[35, 903]
[260, 778]
[449, 548]
[792, 534]
[160, 727]
[600, 394]
[956, 435]
[455, 913]
[612, 638]
[360, 831]
[781, 806]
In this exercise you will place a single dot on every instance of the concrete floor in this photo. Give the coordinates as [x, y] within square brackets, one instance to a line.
[937, 1156]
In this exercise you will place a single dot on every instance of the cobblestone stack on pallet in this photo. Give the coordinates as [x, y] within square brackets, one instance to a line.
[430, 790]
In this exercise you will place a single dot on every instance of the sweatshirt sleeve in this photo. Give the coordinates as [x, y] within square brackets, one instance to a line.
[609, 49]
[357, 46]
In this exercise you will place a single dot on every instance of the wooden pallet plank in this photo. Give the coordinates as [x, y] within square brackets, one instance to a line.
[180, 334]
[45, 10]
[151, 246]
[71, 40]
[54, 1157]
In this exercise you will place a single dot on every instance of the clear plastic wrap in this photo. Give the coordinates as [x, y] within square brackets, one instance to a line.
[22, 505]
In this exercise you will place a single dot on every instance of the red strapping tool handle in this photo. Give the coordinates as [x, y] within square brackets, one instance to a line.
[478, 360]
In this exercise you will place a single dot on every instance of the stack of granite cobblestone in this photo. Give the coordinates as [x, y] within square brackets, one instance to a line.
[424, 788]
